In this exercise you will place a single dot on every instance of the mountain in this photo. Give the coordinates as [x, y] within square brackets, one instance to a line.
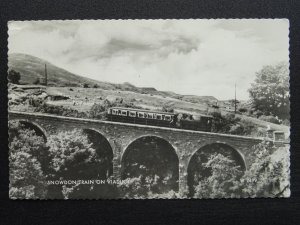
[32, 68]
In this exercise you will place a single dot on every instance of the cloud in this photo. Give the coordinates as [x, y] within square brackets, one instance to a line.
[202, 57]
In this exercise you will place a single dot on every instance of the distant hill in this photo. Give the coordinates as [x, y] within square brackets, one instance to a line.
[32, 68]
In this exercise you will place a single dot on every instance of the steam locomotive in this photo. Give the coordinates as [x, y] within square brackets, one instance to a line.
[162, 119]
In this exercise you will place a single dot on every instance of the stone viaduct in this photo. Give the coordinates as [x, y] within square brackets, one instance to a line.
[120, 135]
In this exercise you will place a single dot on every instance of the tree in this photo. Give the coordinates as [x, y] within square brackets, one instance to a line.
[223, 179]
[73, 158]
[27, 179]
[270, 91]
[268, 174]
[14, 77]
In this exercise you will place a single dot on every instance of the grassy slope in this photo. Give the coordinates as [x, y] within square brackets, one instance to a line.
[31, 68]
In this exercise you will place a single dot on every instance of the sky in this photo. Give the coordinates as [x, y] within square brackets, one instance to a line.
[197, 57]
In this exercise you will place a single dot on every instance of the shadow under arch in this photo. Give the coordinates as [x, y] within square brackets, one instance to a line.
[104, 152]
[154, 160]
[33, 126]
[196, 168]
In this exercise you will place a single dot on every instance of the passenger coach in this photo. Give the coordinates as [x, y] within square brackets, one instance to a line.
[163, 119]
[141, 116]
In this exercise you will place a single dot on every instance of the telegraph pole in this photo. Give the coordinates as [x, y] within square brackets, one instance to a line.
[234, 98]
[46, 75]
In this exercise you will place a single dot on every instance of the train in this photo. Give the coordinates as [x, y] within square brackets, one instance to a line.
[162, 119]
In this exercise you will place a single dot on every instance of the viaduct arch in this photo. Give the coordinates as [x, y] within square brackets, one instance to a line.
[104, 151]
[196, 169]
[154, 158]
[39, 130]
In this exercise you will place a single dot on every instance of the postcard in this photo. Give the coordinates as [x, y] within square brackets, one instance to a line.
[143, 109]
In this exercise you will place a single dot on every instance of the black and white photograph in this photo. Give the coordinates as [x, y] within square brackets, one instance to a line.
[149, 109]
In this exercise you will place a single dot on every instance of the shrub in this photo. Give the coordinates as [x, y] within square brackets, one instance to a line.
[244, 127]
[133, 188]
[60, 110]
[97, 111]
[70, 84]
[257, 113]
[167, 108]
[271, 119]
[85, 85]
[14, 77]
[35, 101]
[37, 81]
[143, 187]
[223, 123]
[243, 110]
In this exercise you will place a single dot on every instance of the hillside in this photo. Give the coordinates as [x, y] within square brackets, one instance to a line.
[32, 68]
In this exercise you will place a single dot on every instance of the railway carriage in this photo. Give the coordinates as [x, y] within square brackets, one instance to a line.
[154, 118]
[139, 116]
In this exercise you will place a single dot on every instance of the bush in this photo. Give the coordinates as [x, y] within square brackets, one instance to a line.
[244, 127]
[37, 81]
[133, 188]
[60, 110]
[271, 119]
[97, 111]
[243, 110]
[69, 84]
[85, 85]
[14, 77]
[223, 123]
[231, 124]
[35, 101]
[167, 108]
[257, 113]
